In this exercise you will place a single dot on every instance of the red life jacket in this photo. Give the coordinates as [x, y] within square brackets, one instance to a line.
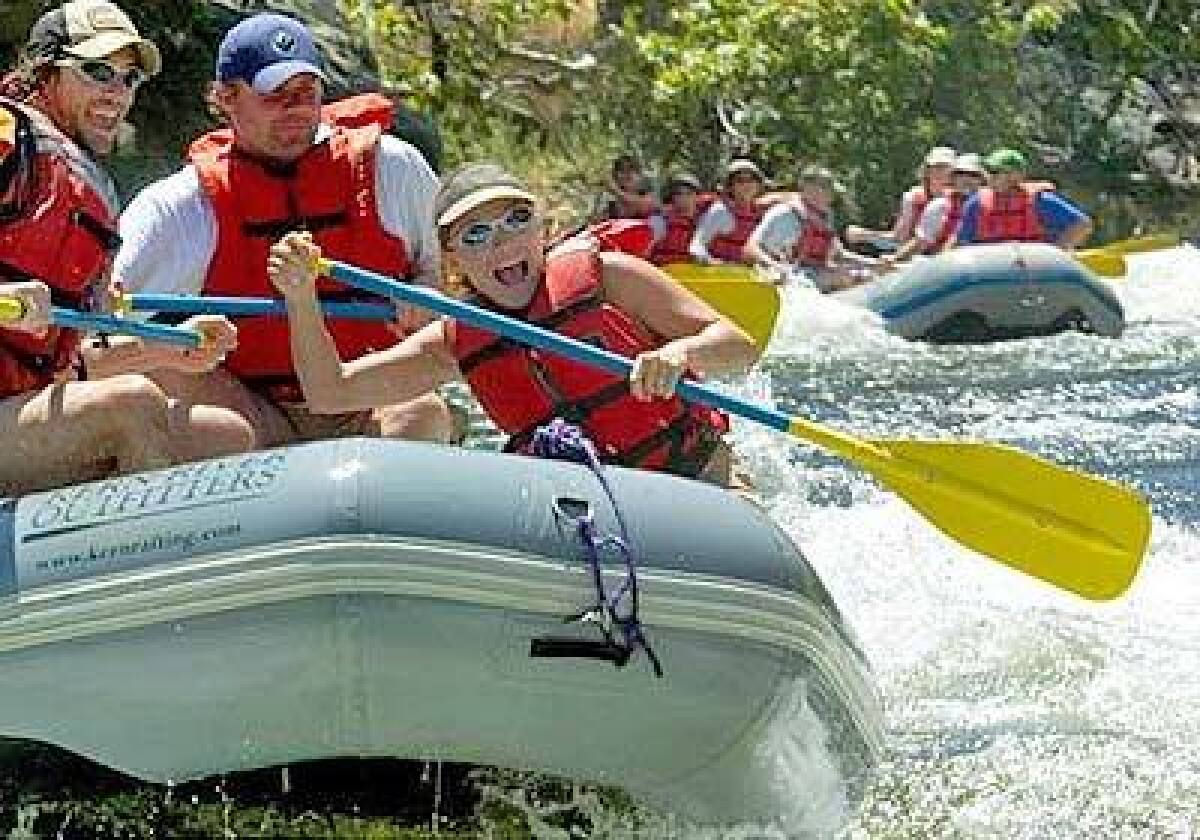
[675, 246]
[522, 388]
[950, 224]
[816, 236]
[57, 225]
[728, 246]
[630, 236]
[1011, 216]
[329, 191]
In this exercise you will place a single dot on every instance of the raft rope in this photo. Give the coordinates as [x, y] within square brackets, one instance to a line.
[563, 441]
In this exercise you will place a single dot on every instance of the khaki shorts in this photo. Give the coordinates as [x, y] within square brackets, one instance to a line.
[307, 426]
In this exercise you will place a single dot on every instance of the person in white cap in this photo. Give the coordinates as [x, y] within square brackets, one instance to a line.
[934, 179]
[61, 110]
[939, 223]
[492, 238]
[285, 162]
[801, 235]
[725, 226]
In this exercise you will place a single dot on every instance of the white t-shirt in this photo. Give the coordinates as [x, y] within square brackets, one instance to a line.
[169, 230]
[778, 232]
[717, 220]
[929, 228]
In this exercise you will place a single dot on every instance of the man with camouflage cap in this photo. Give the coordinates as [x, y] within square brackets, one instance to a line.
[61, 108]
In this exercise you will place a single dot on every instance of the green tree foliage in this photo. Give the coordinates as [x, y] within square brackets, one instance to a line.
[862, 86]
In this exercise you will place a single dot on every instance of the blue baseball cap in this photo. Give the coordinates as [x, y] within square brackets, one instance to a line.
[266, 50]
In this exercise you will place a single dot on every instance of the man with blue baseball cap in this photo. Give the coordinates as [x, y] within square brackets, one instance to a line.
[285, 162]
[266, 51]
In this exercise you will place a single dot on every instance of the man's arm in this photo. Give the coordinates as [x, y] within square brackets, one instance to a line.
[716, 220]
[1067, 224]
[925, 233]
[406, 189]
[774, 238]
[168, 238]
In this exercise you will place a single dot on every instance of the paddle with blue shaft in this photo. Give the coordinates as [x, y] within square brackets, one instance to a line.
[13, 309]
[754, 308]
[238, 307]
[1080, 532]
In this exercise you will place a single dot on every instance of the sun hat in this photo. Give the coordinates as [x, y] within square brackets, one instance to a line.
[89, 29]
[969, 163]
[941, 156]
[741, 166]
[267, 50]
[680, 181]
[474, 184]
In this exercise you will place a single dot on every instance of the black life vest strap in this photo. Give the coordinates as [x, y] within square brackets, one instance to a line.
[274, 229]
[501, 346]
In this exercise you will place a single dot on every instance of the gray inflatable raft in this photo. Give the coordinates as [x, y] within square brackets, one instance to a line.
[373, 598]
[983, 293]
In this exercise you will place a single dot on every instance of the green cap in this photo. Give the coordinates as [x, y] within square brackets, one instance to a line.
[1006, 160]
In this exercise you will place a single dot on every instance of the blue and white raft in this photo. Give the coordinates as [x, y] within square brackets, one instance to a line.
[986, 293]
[373, 598]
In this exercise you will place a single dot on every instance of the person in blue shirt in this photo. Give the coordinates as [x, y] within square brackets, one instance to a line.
[1014, 209]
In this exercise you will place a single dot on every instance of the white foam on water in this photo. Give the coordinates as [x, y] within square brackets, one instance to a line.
[1013, 710]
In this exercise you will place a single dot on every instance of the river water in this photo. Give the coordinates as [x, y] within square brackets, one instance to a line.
[1013, 710]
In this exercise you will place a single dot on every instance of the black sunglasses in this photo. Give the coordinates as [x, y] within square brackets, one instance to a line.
[103, 73]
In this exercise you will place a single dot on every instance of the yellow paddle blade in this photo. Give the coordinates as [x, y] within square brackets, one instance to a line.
[1109, 260]
[1076, 531]
[1103, 263]
[1138, 244]
[11, 309]
[752, 306]
[687, 272]
[737, 292]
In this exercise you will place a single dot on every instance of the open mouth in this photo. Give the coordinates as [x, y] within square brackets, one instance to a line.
[512, 275]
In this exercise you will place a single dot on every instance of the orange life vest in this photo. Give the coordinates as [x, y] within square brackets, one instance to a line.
[329, 191]
[816, 236]
[1011, 216]
[728, 246]
[57, 225]
[675, 246]
[522, 388]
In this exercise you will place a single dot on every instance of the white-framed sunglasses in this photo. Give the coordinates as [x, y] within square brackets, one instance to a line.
[481, 233]
[101, 72]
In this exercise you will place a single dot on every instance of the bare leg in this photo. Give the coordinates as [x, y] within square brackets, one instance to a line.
[79, 431]
[214, 413]
[233, 415]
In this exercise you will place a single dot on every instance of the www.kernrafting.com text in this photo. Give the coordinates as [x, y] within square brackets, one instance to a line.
[164, 541]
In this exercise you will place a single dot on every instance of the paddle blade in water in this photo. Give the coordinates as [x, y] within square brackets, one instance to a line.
[1080, 532]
